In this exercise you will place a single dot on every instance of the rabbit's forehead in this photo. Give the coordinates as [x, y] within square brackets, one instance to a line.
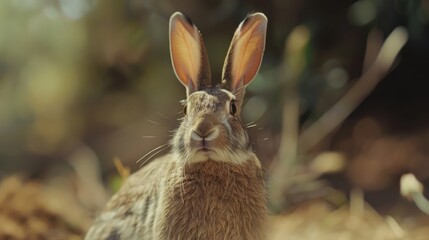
[211, 97]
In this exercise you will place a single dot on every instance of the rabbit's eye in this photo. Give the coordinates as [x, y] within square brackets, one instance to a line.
[232, 108]
[185, 109]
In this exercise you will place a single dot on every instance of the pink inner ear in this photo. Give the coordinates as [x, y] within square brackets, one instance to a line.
[237, 85]
[185, 50]
[246, 51]
[188, 53]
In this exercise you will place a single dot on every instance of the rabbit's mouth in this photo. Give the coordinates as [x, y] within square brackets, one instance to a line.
[203, 150]
[203, 154]
[203, 146]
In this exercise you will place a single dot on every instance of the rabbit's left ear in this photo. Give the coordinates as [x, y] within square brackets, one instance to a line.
[188, 54]
[245, 52]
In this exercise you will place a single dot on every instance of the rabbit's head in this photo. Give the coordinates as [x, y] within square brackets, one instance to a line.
[211, 127]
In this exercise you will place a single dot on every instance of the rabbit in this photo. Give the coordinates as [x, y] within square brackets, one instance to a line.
[210, 185]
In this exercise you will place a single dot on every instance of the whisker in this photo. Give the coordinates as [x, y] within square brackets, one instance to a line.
[250, 123]
[251, 126]
[234, 155]
[154, 154]
[149, 136]
[164, 117]
[153, 150]
[182, 184]
[151, 121]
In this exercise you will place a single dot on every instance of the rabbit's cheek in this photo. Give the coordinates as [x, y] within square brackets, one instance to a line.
[238, 136]
[218, 140]
[188, 139]
[226, 127]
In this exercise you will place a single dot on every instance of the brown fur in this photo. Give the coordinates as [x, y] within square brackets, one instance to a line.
[214, 200]
[207, 200]
[210, 186]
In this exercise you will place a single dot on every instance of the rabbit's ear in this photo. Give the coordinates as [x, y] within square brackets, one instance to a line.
[188, 53]
[245, 52]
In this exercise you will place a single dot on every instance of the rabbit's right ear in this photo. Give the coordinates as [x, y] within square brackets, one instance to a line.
[245, 53]
[188, 54]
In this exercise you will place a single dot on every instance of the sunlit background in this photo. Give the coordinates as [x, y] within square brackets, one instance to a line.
[87, 89]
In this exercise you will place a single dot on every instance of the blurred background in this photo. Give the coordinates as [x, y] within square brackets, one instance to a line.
[337, 114]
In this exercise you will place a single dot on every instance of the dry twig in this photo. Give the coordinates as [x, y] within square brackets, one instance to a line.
[332, 118]
[412, 189]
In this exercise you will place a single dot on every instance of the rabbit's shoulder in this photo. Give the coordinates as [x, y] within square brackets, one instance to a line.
[143, 182]
[134, 204]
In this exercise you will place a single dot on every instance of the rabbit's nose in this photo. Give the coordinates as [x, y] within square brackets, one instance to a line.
[206, 135]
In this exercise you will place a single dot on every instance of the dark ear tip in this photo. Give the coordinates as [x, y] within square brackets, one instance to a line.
[182, 16]
[188, 19]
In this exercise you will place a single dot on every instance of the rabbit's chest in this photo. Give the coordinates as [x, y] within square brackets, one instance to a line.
[225, 205]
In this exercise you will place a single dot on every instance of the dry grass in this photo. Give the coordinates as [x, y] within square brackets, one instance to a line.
[29, 210]
[317, 220]
[32, 210]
